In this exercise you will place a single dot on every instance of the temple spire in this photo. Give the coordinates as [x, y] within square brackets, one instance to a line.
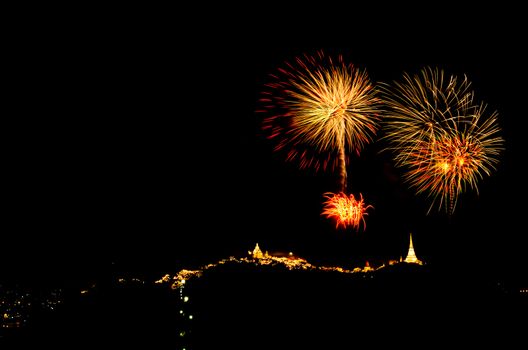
[411, 255]
[257, 253]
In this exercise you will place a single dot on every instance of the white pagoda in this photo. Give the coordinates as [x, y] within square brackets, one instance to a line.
[411, 256]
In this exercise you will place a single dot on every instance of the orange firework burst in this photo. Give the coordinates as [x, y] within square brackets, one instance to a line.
[346, 210]
[440, 135]
[320, 109]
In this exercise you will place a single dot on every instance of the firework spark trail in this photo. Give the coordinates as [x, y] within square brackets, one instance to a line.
[440, 135]
[342, 163]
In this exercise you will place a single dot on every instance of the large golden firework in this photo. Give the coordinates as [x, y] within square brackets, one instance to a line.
[319, 111]
[440, 135]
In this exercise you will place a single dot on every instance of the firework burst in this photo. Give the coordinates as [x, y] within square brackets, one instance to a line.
[440, 135]
[319, 111]
[346, 210]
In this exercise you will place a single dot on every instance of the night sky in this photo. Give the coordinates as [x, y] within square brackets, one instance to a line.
[139, 145]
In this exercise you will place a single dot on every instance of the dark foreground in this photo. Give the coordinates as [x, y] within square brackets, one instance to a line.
[247, 307]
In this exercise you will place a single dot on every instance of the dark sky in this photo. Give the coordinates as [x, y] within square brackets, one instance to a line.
[138, 143]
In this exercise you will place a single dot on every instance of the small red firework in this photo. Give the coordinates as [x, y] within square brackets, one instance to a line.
[345, 209]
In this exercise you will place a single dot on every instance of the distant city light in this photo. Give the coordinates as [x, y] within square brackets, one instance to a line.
[16, 306]
[190, 317]
[185, 299]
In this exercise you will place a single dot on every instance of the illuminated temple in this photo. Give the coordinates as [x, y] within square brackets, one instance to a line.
[257, 253]
[411, 256]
